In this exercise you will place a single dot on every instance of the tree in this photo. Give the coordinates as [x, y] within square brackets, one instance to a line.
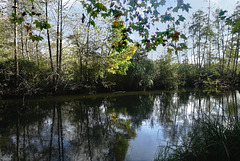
[197, 31]
[15, 43]
[6, 46]
[110, 53]
[140, 72]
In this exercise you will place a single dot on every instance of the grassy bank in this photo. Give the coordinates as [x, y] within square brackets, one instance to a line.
[210, 139]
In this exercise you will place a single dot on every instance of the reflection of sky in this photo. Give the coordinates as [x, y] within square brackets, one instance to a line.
[154, 131]
[143, 147]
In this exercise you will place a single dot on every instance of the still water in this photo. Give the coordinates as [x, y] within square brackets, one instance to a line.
[121, 127]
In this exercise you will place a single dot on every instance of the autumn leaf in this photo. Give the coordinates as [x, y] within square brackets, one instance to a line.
[176, 36]
[148, 45]
[118, 15]
[115, 23]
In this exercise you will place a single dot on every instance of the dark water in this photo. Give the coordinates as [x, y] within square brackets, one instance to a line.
[111, 127]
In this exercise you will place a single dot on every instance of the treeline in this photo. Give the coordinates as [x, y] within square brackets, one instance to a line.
[48, 48]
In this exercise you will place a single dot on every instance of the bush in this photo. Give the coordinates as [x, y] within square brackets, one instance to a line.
[165, 73]
[32, 78]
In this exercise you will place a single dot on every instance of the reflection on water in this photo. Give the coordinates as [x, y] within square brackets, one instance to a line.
[127, 127]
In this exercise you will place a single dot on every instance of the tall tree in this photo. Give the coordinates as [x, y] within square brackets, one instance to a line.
[48, 37]
[16, 44]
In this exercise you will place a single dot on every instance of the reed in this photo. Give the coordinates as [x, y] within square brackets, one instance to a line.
[210, 139]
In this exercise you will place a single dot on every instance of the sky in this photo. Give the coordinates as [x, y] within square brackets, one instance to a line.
[201, 4]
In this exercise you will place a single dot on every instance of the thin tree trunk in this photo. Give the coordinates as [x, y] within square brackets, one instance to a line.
[80, 52]
[193, 52]
[48, 37]
[199, 50]
[61, 132]
[20, 3]
[230, 56]
[236, 57]
[16, 46]
[49, 47]
[57, 54]
[22, 43]
[88, 32]
[38, 61]
[61, 33]
[18, 135]
[59, 137]
[208, 36]
[51, 139]
[223, 50]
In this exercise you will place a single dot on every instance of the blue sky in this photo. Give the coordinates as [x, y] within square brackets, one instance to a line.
[202, 4]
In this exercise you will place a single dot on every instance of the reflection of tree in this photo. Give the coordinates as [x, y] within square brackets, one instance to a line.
[138, 107]
[177, 111]
[17, 132]
[100, 129]
[59, 132]
[75, 130]
[103, 133]
[51, 138]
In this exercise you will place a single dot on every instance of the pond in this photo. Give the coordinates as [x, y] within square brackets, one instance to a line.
[120, 126]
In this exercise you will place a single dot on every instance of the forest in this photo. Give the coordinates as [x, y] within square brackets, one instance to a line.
[60, 53]
[58, 47]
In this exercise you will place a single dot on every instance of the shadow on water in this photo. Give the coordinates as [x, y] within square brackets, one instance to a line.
[103, 128]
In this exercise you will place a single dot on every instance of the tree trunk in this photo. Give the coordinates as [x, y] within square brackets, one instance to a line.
[88, 32]
[16, 46]
[230, 56]
[236, 57]
[223, 50]
[22, 43]
[37, 52]
[57, 54]
[48, 37]
[61, 33]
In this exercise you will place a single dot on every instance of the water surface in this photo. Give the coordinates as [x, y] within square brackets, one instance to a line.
[119, 127]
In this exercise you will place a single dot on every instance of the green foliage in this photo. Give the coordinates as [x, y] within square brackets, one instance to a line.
[140, 74]
[165, 73]
[22, 18]
[187, 75]
[36, 38]
[42, 25]
[119, 58]
[16, 19]
[6, 45]
[32, 80]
